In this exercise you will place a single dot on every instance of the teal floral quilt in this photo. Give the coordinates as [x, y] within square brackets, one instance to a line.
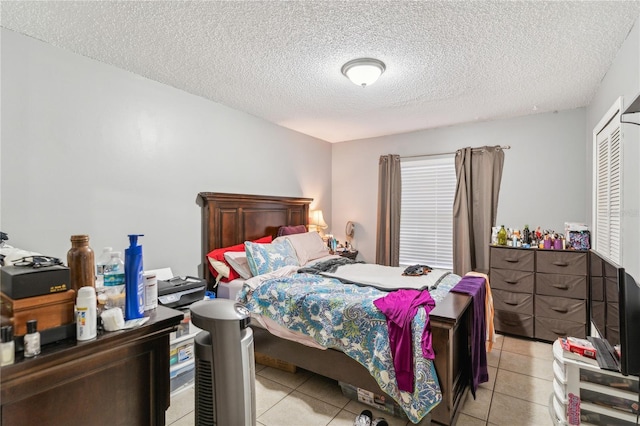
[343, 316]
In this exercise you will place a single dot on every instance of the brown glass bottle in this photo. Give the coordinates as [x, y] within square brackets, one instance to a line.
[81, 261]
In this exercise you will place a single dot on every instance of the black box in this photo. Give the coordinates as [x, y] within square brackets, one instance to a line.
[181, 291]
[19, 282]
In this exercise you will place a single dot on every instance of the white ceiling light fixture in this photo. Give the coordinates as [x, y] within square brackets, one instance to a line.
[363, 71]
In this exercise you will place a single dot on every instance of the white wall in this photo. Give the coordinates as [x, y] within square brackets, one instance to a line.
[622, 79]
[542, 183]
[89, 148]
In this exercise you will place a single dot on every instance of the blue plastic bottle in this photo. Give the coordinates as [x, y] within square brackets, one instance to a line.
[134, 280]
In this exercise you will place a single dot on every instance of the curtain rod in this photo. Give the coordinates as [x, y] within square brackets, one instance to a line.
[451, 153]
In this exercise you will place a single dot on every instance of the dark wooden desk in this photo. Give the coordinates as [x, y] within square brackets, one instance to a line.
[120, 378]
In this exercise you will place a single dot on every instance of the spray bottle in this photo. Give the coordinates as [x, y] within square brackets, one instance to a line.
[134, 280]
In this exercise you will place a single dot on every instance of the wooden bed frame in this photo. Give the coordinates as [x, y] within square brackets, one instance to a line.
[229, 219]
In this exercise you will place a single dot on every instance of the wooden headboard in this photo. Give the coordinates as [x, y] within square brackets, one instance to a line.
[229, 219]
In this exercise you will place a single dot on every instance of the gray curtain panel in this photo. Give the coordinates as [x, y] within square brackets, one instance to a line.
[475, 206]
[389, 197]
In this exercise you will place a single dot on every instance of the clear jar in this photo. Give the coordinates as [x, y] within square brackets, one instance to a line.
[81, 262]
[32, 339]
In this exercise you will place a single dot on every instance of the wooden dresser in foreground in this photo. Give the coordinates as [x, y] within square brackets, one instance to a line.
[120, 378]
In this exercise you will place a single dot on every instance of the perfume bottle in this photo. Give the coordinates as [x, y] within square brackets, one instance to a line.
[32, 339]
[7, 347]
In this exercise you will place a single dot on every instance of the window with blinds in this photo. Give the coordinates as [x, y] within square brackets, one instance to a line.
[426, 215]
[608, 186]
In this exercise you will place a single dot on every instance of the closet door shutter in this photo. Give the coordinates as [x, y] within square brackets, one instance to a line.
[608, 187]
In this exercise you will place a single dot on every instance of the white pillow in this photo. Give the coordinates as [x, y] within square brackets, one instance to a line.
[221, 269]
[308, 246]
[238, 261]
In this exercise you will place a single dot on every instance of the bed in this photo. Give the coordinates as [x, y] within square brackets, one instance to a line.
[229, 219]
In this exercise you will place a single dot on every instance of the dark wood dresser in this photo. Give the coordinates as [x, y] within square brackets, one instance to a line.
[120, 378]
[538, 293]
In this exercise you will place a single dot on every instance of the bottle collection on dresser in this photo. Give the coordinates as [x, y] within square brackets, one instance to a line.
[45, 301]
[576, 236]
[540, 281]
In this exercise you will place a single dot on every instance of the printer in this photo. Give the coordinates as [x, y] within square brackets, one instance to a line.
[178, 292]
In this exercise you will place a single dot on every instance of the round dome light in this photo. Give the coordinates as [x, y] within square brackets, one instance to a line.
[363, 71]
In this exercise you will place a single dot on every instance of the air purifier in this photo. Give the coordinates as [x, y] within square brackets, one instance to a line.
[225, 367]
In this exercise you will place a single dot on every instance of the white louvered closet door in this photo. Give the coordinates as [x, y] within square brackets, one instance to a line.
[608, 186]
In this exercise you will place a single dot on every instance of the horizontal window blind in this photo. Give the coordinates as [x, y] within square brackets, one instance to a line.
[426, 215]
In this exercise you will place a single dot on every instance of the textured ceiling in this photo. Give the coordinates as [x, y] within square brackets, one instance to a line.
[447, 62]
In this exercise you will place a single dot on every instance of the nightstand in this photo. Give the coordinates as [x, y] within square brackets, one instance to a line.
[349, 254]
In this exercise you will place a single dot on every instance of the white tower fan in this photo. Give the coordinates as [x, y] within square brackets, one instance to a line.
[225, 367]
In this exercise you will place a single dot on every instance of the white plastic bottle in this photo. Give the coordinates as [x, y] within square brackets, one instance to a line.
[86, 314]
[150, 291]
[101, 262]
[114, 284]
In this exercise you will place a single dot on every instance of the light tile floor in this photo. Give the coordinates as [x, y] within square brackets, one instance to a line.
[520, 382]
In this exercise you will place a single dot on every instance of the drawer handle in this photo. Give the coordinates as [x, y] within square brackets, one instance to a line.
[559, 263]
[511, 281]
[512, 260]
[508, 302]
[511, 323]
[561, 310]
[559, 332]
[561, 286]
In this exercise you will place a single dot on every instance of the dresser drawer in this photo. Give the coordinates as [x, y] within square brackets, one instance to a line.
[514, 302]
[598, 312]
[550, 329]
[611, 289]
[513, 323]
[597, 288]
[574, 286]
[613, 334]
[613, 314]
[561, 262]
[518, 259]
[561, 308]
[517, 281]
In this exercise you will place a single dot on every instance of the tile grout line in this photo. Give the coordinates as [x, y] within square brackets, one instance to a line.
[342, 409]
[493, 389]
[291, 390]
[501, 393]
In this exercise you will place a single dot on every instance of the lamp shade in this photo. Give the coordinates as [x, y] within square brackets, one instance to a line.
[364, 71]
[316, 221]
